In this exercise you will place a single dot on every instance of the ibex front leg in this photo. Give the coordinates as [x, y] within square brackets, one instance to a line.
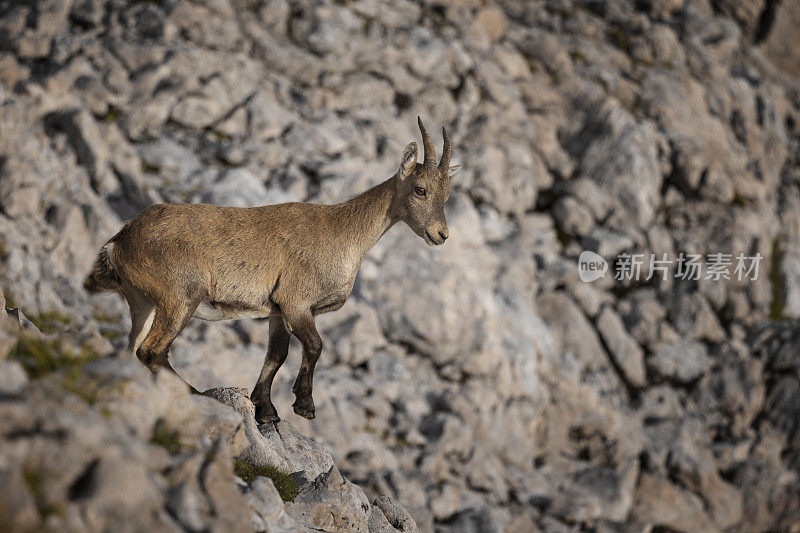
[303, 327]
[277, 349]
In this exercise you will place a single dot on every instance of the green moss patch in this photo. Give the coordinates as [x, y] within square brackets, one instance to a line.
[167, 438]
[738, 200]
[103, 317]
[10, 301]
[40, 357]
[283, 481]
[112, 115]
[577, 55]
[776, 311]
[51, 322]
[74, 384]
[150, 169]
[34, 480]
[111, 334]
[621, 38]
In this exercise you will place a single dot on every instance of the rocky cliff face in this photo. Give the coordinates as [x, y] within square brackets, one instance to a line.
[482, 385]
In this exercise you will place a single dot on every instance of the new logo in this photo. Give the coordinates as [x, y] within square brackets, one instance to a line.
[591, 266]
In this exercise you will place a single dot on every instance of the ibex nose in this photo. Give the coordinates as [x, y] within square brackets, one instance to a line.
[444, 235]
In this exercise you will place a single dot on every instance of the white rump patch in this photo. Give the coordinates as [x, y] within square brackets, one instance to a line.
[148, 323]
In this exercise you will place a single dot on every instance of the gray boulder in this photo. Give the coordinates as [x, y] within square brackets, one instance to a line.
[683, 361]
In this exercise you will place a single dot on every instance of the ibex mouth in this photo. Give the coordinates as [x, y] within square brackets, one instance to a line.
[431, 241]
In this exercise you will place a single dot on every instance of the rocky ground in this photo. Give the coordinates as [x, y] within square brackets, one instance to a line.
[96, 444]
[481, 385]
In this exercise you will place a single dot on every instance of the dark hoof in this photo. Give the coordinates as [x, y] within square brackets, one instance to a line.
[267, 415]
[304, 409]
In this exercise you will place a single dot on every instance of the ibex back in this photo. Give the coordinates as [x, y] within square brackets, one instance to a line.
[289, 262]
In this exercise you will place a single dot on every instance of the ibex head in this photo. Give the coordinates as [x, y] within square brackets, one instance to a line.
[424, 188]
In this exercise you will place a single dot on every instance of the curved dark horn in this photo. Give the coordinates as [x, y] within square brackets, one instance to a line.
[444, 164]
[427, 144]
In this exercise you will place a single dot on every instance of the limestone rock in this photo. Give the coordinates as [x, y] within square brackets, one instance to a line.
[331, 503]
[682, 361]
[626, 352]
[659, 503]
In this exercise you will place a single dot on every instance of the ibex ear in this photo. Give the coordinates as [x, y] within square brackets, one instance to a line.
[452, 170]
[409, 161]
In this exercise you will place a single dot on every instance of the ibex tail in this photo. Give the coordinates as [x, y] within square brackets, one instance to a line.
[104, 277]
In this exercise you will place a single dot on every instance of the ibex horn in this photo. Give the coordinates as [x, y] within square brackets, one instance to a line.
[444, 164]
[430, 152]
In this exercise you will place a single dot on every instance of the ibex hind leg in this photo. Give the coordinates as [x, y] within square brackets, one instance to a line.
[168, 322]
[277, 349]
[303, 327]
[142, 314]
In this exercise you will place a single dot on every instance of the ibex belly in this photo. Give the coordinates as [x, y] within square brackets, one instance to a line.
[332, 302]
[221, 311]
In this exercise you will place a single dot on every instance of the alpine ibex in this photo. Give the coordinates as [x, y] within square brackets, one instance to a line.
[289, 262]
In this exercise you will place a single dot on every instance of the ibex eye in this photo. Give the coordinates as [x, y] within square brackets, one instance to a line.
[420, 191]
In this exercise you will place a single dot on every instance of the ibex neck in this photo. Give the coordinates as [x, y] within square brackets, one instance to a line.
[365, 218]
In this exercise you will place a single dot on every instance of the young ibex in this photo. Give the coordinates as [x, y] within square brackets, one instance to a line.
[289, 262]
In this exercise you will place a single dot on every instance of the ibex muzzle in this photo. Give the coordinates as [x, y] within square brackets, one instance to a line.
[289, 262]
